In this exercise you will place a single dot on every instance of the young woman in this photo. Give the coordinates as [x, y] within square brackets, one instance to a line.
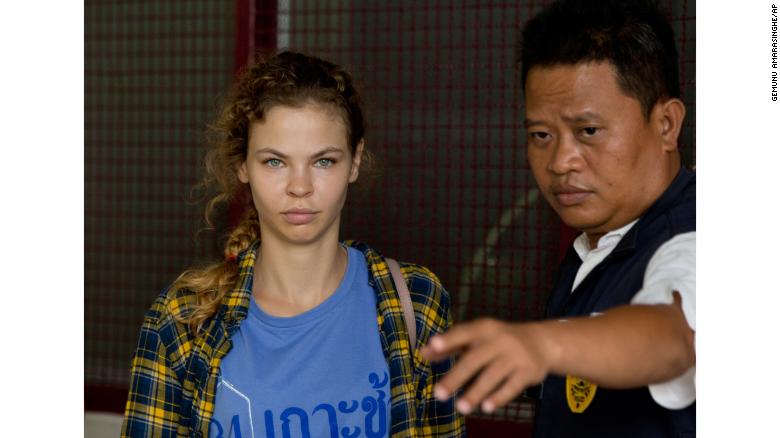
[300, 335]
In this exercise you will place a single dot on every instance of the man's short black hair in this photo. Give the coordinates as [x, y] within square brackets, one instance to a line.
[634, 36]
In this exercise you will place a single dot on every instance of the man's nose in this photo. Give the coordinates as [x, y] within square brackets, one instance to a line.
[566, 156]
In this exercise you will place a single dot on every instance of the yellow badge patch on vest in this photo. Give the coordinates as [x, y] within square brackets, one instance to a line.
[579, 393]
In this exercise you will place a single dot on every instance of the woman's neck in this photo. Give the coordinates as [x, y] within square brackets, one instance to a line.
[291, 279]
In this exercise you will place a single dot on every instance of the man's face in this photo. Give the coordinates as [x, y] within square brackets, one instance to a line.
[598, 161]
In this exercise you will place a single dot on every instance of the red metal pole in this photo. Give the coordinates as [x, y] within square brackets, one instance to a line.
[255, 32]
[244, 48]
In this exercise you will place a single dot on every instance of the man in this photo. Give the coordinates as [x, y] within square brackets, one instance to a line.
[616, 357]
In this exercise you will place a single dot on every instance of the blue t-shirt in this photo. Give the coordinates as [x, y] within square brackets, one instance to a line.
[318, 374]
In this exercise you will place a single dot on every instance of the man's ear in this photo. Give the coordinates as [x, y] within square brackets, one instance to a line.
[669, 116]
[355, 170]
[243, 176]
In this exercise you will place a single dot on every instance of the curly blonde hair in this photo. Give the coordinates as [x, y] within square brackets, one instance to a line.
[285, 79]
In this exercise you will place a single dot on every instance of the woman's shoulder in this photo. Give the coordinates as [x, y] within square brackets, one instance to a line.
[424, 285]
[426, 290]
[413, 271]
[172, 305]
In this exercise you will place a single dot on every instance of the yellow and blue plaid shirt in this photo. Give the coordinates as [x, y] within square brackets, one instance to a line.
[174, 373]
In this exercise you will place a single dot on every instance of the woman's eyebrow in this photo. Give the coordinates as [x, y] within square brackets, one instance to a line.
[324, 151]
[329, 150]
[270, 150]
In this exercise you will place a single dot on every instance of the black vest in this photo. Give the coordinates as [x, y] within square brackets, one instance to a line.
[613, 282]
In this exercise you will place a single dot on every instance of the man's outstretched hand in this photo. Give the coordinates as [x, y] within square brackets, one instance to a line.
[505, 358]
[625, 347]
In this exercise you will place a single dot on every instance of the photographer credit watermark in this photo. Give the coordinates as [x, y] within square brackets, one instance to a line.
[774, 53]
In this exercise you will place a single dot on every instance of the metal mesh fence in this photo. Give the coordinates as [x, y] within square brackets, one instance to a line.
[153, 72]
[451, 187]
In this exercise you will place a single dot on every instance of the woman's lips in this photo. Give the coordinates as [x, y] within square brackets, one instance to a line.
[299, 217]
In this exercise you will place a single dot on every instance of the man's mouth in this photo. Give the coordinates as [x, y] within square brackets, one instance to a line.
[569, 196]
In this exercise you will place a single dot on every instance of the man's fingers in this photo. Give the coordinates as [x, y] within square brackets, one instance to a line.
[511, 387]
[466, 367]
[435, 350]
[491, 377]
[444, 345]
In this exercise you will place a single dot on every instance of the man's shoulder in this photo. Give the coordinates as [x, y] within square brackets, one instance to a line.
[674, 212]
[680, 246]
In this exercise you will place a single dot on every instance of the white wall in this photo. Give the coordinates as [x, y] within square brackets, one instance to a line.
[102, 425]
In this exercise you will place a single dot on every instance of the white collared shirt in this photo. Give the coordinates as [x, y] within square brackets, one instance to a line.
[672, 268]
[592, 257]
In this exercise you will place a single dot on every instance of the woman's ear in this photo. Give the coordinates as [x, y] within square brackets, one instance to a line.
[671, 114]
[243, 176]
[355, 169]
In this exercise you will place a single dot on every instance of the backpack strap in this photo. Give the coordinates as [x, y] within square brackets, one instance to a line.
[406, 301]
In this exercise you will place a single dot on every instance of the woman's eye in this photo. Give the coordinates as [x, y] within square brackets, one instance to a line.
[273, 162]
[324, 162]
[590, 131]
